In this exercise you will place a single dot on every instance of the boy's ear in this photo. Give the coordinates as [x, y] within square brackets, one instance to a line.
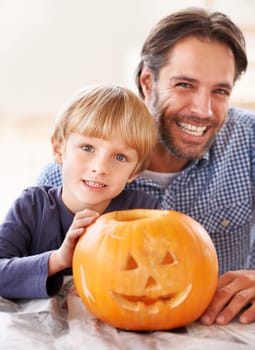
[132, 177]
[146, 81]
[57, 150]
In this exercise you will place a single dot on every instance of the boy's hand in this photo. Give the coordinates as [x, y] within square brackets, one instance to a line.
[62, 258]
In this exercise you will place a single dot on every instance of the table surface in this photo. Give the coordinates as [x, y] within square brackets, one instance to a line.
[63, 323]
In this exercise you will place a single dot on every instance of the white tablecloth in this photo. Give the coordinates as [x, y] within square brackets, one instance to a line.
[63, 323]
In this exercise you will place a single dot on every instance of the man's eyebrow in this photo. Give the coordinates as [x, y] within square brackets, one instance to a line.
[226, 86]
[182, 77]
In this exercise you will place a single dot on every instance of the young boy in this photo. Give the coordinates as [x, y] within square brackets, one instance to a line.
[103, 139]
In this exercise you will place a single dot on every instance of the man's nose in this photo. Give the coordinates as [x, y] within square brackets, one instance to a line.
[202, 104]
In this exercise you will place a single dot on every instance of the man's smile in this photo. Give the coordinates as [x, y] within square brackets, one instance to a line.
[192, 129]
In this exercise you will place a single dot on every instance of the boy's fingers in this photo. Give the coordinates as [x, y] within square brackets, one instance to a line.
[86, 213]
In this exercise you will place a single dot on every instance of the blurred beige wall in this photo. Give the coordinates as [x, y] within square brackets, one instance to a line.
[50, 48]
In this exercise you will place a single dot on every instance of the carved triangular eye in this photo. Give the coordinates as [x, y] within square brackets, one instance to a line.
[168, 259]
[131, 264]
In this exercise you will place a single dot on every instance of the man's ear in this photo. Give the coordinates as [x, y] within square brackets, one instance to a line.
[57, 149]
[146, 81]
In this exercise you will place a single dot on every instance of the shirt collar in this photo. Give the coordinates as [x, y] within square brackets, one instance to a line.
[203, 161]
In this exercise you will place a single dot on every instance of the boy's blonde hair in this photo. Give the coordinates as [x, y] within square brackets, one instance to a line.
[104, 111]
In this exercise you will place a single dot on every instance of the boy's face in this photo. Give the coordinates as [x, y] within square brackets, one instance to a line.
[94, 170]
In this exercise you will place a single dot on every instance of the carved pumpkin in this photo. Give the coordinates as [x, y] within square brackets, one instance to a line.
[145, 269]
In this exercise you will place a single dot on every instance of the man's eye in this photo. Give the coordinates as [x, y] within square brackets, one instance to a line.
[120, 157]
[222, 92]
[88, 148]
[184, 85]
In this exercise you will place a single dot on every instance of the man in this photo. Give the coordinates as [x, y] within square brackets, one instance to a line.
[204, 161]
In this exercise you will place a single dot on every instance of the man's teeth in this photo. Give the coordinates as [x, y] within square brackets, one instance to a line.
[192, 129]
[94, 184]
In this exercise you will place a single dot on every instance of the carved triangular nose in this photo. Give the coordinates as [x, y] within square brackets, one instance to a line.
[150, 282]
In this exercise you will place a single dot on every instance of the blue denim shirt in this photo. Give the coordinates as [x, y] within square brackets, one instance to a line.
[216, 190]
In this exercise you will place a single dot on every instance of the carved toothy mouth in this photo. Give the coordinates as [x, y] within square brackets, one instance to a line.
[152, 305]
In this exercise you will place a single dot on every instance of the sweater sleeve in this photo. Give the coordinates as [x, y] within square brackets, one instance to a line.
[27, 277]
[28, 235]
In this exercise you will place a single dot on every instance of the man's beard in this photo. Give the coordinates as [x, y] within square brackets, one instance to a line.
[168, 140]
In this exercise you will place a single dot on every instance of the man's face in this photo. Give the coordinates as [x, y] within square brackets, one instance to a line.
[191, 96]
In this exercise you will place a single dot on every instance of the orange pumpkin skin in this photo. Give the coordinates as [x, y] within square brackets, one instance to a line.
[145, 269]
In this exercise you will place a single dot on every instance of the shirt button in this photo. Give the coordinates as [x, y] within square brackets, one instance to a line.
[225, 223]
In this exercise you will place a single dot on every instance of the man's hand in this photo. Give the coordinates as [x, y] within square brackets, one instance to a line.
[62, 257]
[235, 293]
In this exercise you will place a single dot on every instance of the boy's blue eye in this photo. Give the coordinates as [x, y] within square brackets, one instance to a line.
[88, 148]
[120, 157]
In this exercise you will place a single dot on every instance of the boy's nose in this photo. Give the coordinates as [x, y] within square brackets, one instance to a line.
[100, 166]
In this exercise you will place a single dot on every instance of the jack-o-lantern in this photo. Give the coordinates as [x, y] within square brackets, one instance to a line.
[145, 269]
